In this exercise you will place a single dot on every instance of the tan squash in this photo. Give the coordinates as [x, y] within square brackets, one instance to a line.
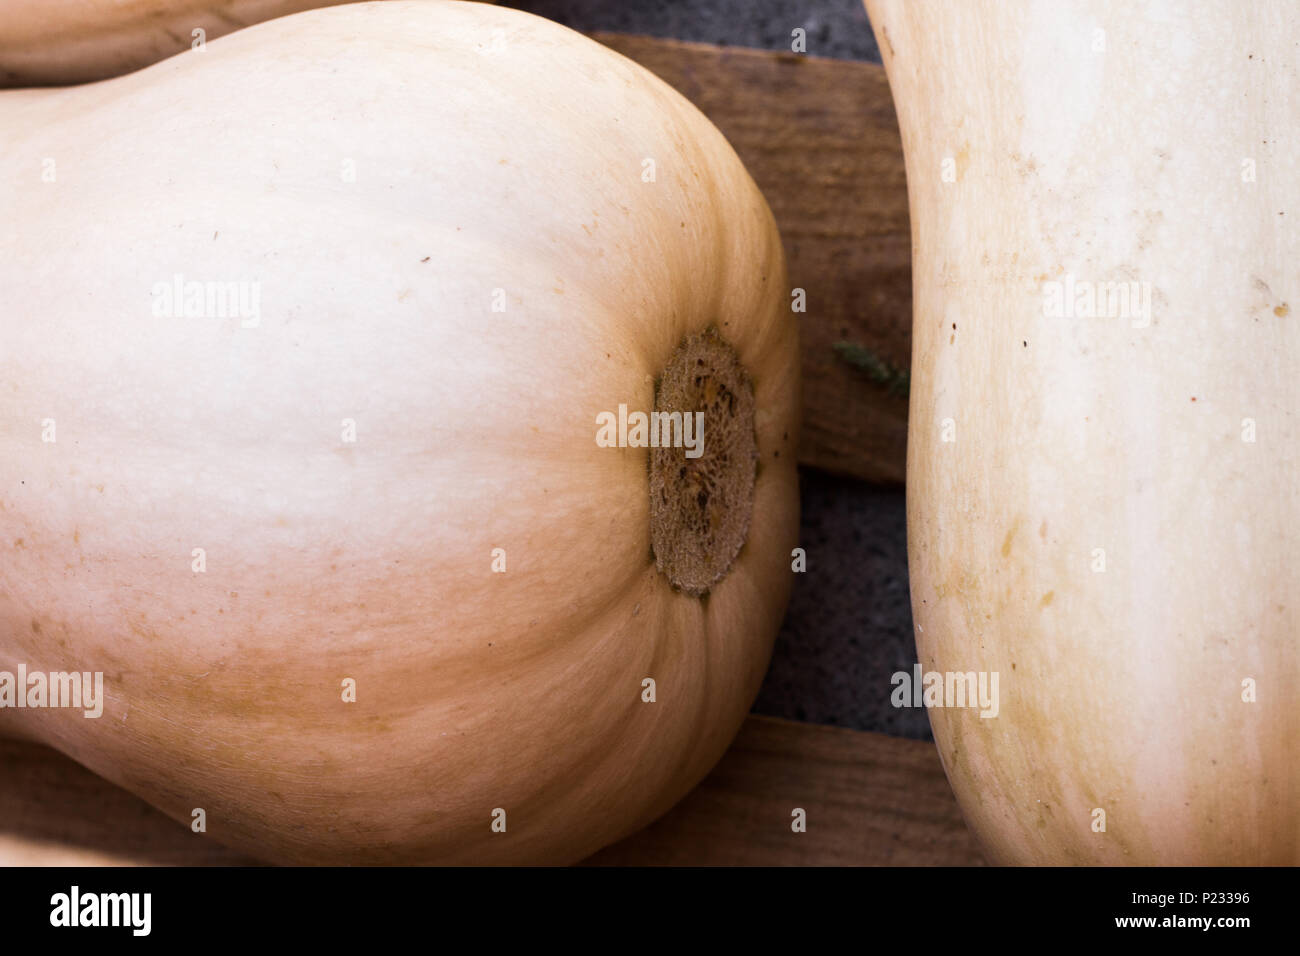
[1103, 502]
[54, 42]
[472, 232]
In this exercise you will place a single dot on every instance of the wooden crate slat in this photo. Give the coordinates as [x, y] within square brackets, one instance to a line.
[870, 800]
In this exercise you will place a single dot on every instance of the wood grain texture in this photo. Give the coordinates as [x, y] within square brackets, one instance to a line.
[870, 799]
[820, 137]
[55, 812]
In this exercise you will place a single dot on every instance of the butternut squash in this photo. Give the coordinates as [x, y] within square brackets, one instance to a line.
[1102, 493]
[309, 344]
[54, 42]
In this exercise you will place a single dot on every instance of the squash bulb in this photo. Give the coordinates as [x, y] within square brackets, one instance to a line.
[426, 594]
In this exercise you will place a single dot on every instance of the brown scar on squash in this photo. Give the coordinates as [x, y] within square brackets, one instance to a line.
[1011, 533]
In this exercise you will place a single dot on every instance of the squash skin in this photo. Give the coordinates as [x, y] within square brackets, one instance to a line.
[57, 42]
[372, 560]
[1120, 690]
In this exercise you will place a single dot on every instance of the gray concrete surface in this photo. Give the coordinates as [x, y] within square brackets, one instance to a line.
[849, 626]
[833, 28]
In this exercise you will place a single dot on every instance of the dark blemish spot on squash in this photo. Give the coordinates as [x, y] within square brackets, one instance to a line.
[18, 544]
[884, 32]
[1282, 311]
[954, 326]
[426, 258]
[1193, 398]
[36, 626]
[1047, 599]
[1025, 344]
[1013, 665]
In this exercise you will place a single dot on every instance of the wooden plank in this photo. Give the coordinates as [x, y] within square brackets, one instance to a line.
[55, 812]
[820, 137]
[869, 799]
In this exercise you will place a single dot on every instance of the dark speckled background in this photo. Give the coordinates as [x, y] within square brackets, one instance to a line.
[849, 627]
[834, 28]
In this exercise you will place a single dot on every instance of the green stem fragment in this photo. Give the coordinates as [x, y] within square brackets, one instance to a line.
[897, 381]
